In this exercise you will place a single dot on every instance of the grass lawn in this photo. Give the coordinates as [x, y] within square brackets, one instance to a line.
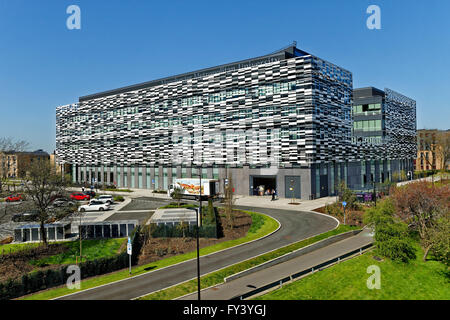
[14, 247]
[347, 281]
[91, 249]
[256, 231]
[218, 276]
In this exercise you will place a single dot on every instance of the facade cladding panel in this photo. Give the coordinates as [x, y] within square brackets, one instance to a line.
[283, 111]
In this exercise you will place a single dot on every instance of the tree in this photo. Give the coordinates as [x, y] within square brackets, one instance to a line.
[229, 203]
[421, 205]
[41, 185]
[392, 238]
[347, 195]
[177, 194]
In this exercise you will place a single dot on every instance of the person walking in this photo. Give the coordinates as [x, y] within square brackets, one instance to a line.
[273, 195]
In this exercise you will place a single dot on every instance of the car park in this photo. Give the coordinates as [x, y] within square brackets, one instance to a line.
[94, 205]
[78, 196]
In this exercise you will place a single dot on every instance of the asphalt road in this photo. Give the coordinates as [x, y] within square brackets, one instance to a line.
[295, 226]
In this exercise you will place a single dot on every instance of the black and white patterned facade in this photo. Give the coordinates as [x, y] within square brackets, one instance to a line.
[295, 111]
[290, 111]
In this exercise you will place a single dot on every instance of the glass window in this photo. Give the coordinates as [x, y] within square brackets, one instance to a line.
[215, 173]
[149, 181]
[140, 182]
[165, 179]
[133, 182]
[125, 177]
[156, 178]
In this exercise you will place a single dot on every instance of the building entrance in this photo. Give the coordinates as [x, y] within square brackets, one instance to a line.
[262, 185]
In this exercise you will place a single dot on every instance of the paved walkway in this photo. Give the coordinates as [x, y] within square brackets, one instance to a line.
[240, 286]
[250, 201]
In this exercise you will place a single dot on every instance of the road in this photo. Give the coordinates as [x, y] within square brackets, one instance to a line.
[295, 226]
[259, 279]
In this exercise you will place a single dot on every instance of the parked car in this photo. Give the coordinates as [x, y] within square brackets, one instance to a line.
[26, 216]
[14, 198]
[105, 199]
[90, 193]
[94, 206]
[78, 196]
[62, 202]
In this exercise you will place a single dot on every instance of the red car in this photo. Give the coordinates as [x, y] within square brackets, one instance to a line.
[14, 198]
[79, 196]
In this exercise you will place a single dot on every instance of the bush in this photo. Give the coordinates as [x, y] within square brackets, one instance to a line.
[334, 210]
[397, 249]
[118, 198]
[392, 237]
[393, 242]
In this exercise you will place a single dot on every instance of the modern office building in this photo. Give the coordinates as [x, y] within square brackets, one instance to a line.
[283, 121]
[384, 125]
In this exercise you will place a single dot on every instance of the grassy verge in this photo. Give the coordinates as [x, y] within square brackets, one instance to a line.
[218, 276]
[256, 231]
[92, 249]
[15, 247]
[347, 281]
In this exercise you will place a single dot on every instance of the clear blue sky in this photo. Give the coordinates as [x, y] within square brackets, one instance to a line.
[43, 64]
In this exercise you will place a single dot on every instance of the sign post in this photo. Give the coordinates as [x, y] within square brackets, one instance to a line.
[129, 251]
[344, 204]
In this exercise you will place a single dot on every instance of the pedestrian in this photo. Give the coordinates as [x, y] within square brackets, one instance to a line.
[82, 189]
[273, 195]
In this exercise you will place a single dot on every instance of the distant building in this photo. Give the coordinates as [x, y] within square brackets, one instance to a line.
[428, 150]
[66, 168]
[14, 164]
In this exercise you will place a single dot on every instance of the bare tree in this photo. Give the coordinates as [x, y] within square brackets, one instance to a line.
[8, 145]
[177, 194]
[41, 186]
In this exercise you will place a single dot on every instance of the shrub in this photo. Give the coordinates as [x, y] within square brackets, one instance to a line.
[334, 210]
[393, 241]
[118, 198]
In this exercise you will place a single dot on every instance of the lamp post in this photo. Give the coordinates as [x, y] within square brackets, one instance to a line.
[197, 225]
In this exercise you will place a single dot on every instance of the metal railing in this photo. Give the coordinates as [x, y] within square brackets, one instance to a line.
[318, 267]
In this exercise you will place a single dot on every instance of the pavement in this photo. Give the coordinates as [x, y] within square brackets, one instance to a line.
[258, 279]
[295, 226]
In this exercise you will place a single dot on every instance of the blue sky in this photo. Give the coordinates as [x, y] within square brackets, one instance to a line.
[43, 64]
